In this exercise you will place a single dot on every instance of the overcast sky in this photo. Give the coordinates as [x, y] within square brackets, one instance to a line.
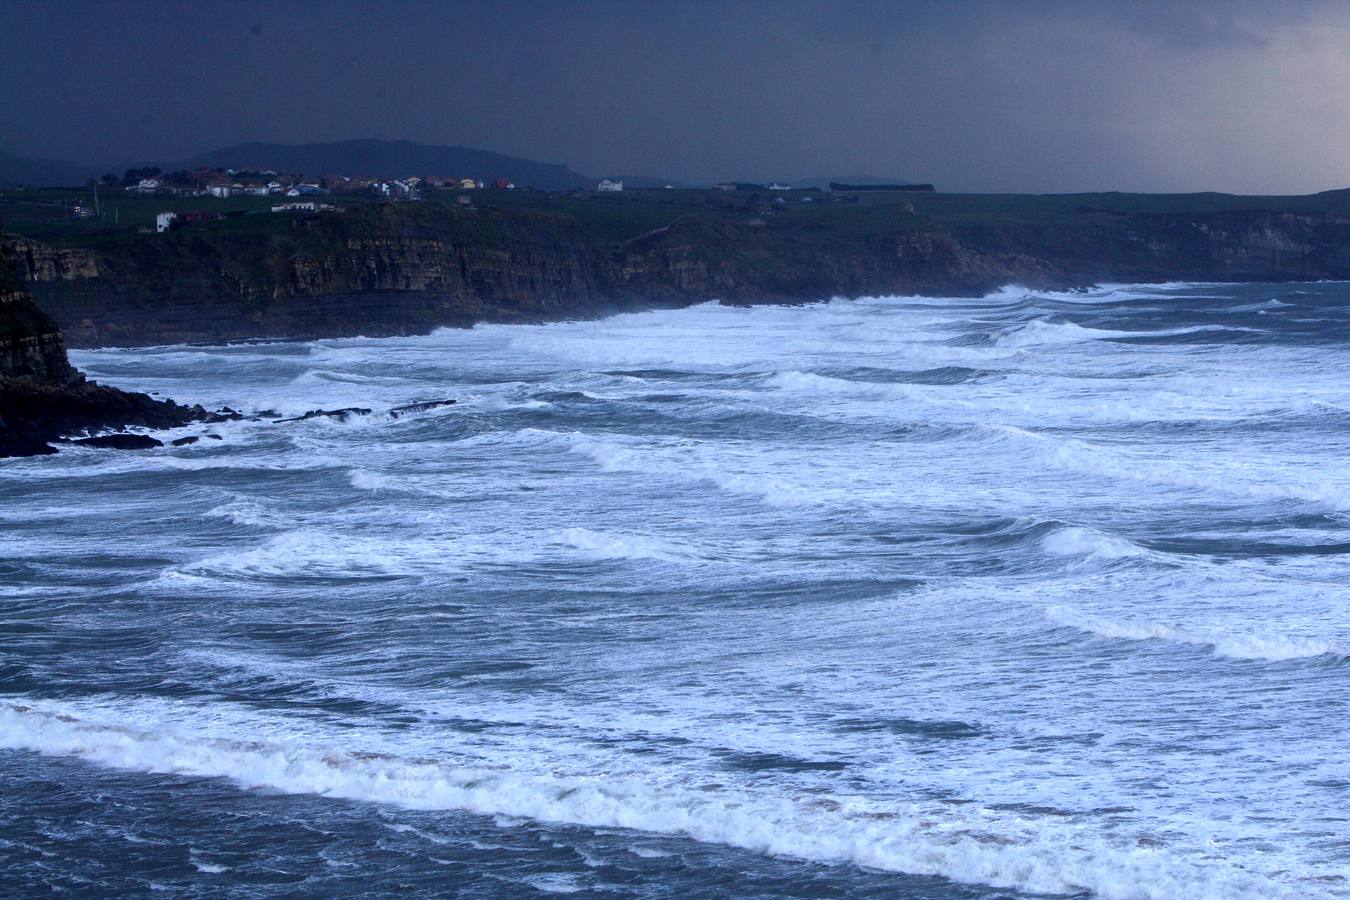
[1036, 95]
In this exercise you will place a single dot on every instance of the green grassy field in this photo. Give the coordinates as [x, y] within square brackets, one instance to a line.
[45, 215]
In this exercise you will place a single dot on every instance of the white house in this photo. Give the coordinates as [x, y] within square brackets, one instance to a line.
[218, 190]
[775, 186]
[163, 221]
[610, 185]
[147, 186]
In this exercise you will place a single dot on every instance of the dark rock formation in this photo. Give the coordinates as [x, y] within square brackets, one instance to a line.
[118, 441]
[43, 398]
[341, 415]
[400, 411]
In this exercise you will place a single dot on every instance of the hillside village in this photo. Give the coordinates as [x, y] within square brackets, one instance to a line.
[149, 200]
[270, 183]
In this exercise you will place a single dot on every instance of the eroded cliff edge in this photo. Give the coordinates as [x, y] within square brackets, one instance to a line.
[42, 396]
[381, 269]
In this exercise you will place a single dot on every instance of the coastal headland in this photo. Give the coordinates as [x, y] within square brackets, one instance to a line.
[238, 269]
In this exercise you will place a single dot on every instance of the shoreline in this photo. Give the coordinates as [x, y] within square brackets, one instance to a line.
[638, 309]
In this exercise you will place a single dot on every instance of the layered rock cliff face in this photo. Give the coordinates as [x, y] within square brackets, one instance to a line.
[43, 397]
[32, 261]
[408, 268]
[31, 345]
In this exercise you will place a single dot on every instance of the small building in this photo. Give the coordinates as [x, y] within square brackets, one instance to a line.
[610, 184]
[147, 186]
[467, 184]
[218, 190]
[303, 206]
[776, 186]
[164, 221]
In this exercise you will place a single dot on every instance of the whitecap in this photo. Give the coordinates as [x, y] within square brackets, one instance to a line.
[975, 844]
[1244, 645]
[1076, 540]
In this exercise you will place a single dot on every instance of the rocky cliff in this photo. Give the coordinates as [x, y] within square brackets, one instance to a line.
[31, 345]
[44, 398]
[407, 268]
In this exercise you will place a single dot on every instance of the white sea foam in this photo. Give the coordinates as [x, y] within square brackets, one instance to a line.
[1271, 648]
[690, 461]
[313, 553]
[967, 844]
[649, 852]
[1081, 456]
[1042, 332]
[206, 867]
[242, 512]
[365, 480]
[1076, 540]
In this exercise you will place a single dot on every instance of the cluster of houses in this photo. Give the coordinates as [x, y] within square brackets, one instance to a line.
[268, 183]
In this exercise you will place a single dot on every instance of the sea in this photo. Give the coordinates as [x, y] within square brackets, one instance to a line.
[1027, 595]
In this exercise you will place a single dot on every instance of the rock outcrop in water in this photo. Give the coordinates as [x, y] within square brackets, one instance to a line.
[44, 398]
[382, 269]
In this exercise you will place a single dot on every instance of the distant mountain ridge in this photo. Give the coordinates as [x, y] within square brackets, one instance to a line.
[389, 159]
[376, 158]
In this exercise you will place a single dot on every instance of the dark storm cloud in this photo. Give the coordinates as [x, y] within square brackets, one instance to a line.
[973, 95]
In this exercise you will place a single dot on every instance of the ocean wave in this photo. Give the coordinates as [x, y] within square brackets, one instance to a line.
[365, 480]
[976, 845]
[686, 463]
[1040, 332]
[242, 512]
[316, 554]
[1093, 295]
[335, 376]
[1043, 332]
[1270, 648]
[609, 545]
[1077, 540]
[1081, 456]
[1260, 307]
[826, 385]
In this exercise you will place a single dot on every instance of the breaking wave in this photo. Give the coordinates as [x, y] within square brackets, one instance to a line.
[1271, 648]
[980, 847]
